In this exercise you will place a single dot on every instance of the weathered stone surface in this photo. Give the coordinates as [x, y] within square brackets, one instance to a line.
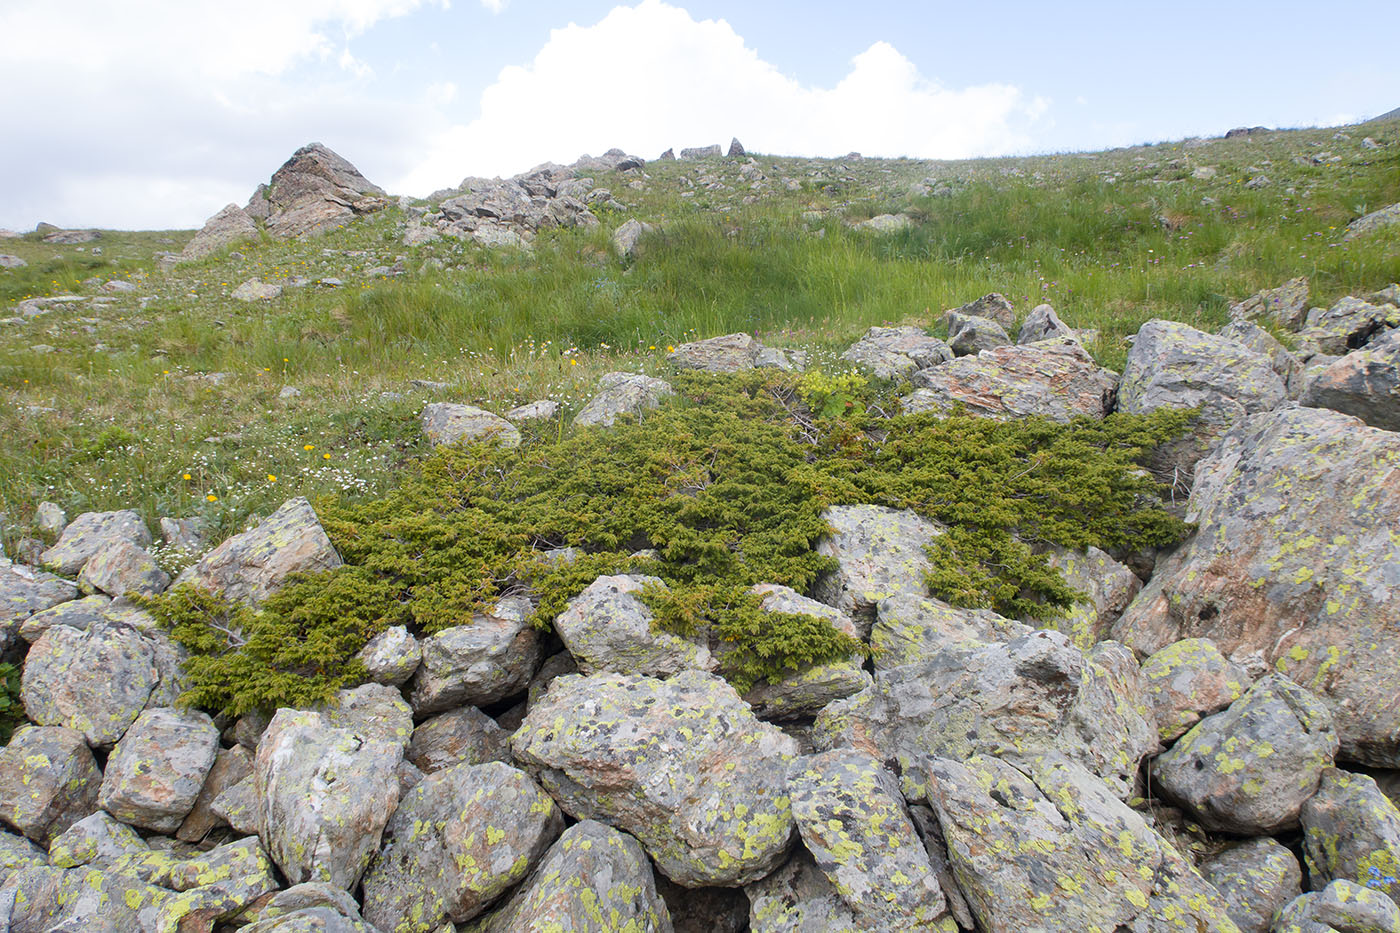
[1370, 223]
[622, 394]
[237, 806]
[1343, 907]
[1288, 367]
[97, 840]
[1032, 694]
[317, 190]
[158, 767]
[449, 423]
[391, 657]
[256, 290]
[968, 334]
[803, 692]
[994, 306]
[230, 766]
[189, 535]
[87, 534]
[891, 352]
[465, 735]
[322, 796]
[11, 262]
[607, 627]
[799, 898]
[50, 518]
[1364, 384]
[1255, 880]
[485, 661]
[594, 879]
[25, 591]
[912, 629]
[628, 237]
[1044, 845]
[1286, 305]
[457, 842]
[1292, 568]
[80, 614]
[1351, 832]
[879, 552]
[48, 781]
[119, 568]
[230, 225]
[251, 565]
[1108, 587]
[1055, 379]
[542, 410]
[1348, 325]
[1249, 769]
[702, 152]
[1042, 323]
[885, 223]
[1188, 680]
[731, 353]
[853, 820]
[680, 764]
[371, 709]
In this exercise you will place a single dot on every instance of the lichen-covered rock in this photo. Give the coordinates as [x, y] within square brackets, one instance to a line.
[1042, 323]
[681, 764]
[460, 736]
[450, 423]
[969, 334]
[25, 591]
[87, 534]
[119, 568]
[879, 552]
[491, 658]
[628, 237]
[97, 840]
[1033, 694]
[314, 191]
[157, 768]
[1190, 679]
[542, 410]
[911, 629]
[1347, 325]
[1055, 379]
[1364, 384]
[78, 614]
[1255, 880]
[1351, 832]
[48, 781]
[1045, 845]
[622, 394]
[371, 709]
[799, 898]
[1108, 588]
[1293, 568]
[731, 353]
[1286, 305]
[607, 627]
[1288, 367]
[230, 766]
[1342, 907]
[891, 352]
[994, 306]
[322, 796]
[1249, 769]
[310, 907]
[457, 842]
[594, 879]
[230, 225]
[853, 820]
[237, 805]
[257, 562]
[391, 657]
[802, 692]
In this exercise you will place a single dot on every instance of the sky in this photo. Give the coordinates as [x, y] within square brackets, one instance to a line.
[154, 114]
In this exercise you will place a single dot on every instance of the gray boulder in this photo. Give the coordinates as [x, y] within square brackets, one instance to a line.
[731, 353]
[802, 692]
[88, 533]
[256, 290]
[158, 767]
[97, 840]
[231, 766]
[50, 519]
[1042, 323]
[120, 568]
[628, 237]
[1108, 587]
[879, 552]
[1188, 680]
[702, 152]
[607, 627]
[1255, 880]
[1348, 325]
[1288, 367]
[449, 423]
[491, 658]
[1056, 379]
[230, 225]
[251, 565]
[1342, 907]
[891, 352]
[1364, 384]
[680, 764]
[391, 657]
[25, 591]
[1287, 305]
[48, 781]
[912, 629]
[465, 735]
[969, 335]
[1370, 223]
[80, 614]
[317, 190]
[994, 306]
[542, 410]
[885, 223]
[1249, 769]
[622, 394]
[1351, 832]
[11, 262]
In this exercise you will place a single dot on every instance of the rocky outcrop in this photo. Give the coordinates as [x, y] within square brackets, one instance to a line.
[994, 306]
[1370, 223]
[257, 562]
[1042, 323]
[487, 660]
[314, 191]
[734, 353]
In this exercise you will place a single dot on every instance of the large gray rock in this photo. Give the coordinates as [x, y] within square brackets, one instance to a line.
[1348, 325]
[491, 658]
[1351, 832]
[702, 152]
[1055, 379]
[48, 781]
[891, 352]
[1282, 360]
[799, 898]
[622, 394]
[994, 306]
[80, 614]
[89, 533]
[912, 629]
[391, 657]
[680, 764]
[254, 564]
[1291, 568]
[25, 591]
[607, 627]
[1255, 880]
[1108, 588]
[853, 820]
[1042, 323]
[628, 237]
[97, 840]
[256, 290]
[1342, 907]
[231, 766]
[1249, 769]
[879, 552]
[801, 692]
[317, 190]
[1033, 694]
[1044, 845]
[734, 353]
[230, 225]
[1287, 305]
[1370, 223]
[157, 769]
[449, 423]
[969, 334]
[1188, 680]
[1364, 384]
[465, 735]
[120, 568]
[458, 841]
[322, 796]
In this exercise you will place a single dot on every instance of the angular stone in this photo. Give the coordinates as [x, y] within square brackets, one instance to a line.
[1055, 379]
[628, 237]
[50, 519]
[802, 692]
[622, 394]
[912, 629]
[1364, 384]
[237, 806]
[317, 190]
[371, 709]
[891, 352]
[391, 657]
[1351, 832]
[120, 568]
[1108, 586]
[1249, 769]
[87, 534]
[157, 768]
[97, 840]
[484, 662]
[1347, 325]
[994, 306]
[461, 736]
[1042, 323]
[48, 781]
[230, 225]
[607, 627]
[231, 766]
[879, 552]
[459, 840]
[1288, 367]
[731, 353]
[449, 423]
[969, 335]
[25, 591]
[1286, 305]
[1255, 880]
[1343, 907]
[680, 764]
[542, 410]
[1188, 680]
[80, 614]
[251, 565]
[799, 898]
[256, 290]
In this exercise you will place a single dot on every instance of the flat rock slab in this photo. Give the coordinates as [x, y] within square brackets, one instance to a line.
[88, 533]
[622, 394]
[1055, 379]
[450, 423]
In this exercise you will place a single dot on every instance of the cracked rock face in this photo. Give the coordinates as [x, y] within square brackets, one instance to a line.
[607, 627]
[891, 352]
[622, 394]
[880, 552]
[488, 660]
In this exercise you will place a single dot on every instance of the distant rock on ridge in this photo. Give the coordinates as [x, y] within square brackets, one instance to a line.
[315, 190]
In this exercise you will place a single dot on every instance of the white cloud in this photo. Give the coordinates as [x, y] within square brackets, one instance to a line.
[495, 6]
[650, 77]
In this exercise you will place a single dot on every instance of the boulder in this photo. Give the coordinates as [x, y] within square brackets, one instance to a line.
[448, 423]
[1255, 880]
[458, 841]
[885, 223]
[680, 764]
[879, 552]
[1042, 844]
[158, 767]
[48, 781]
[1351, 832]
[97, 840]
[256, 290]
[1108, 587]
[1291, 568]
[1347, 325]
[728, 354]
[230, 225]
[802, 692]
[799, 898]
[80, 614]
[1056, 379]
[628, 237]
[1188, 680]
[1287, 366]
[607, 627]
[460, 736]
[702, 152]
[994, 306]
[25, 591]
[1042, 323]
[853, 820]
[622, 394]
[543, 410]
[1286, 306]
[969, 335]
[120, 568]
[391, 657]
[50, 519]
[11, 262]
[1032, 694]
[317, 190]
[236, 805]
[891, 352]
[1364, 384]
[231, 766]
[1249, 769]
[1342, 907]
[486, 661]
[88, 533]
[371, 709]
[1370, 223]
[251, 565]
[912, 629]
[736, 149]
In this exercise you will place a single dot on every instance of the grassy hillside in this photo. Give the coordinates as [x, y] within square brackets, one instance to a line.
[169, 397]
